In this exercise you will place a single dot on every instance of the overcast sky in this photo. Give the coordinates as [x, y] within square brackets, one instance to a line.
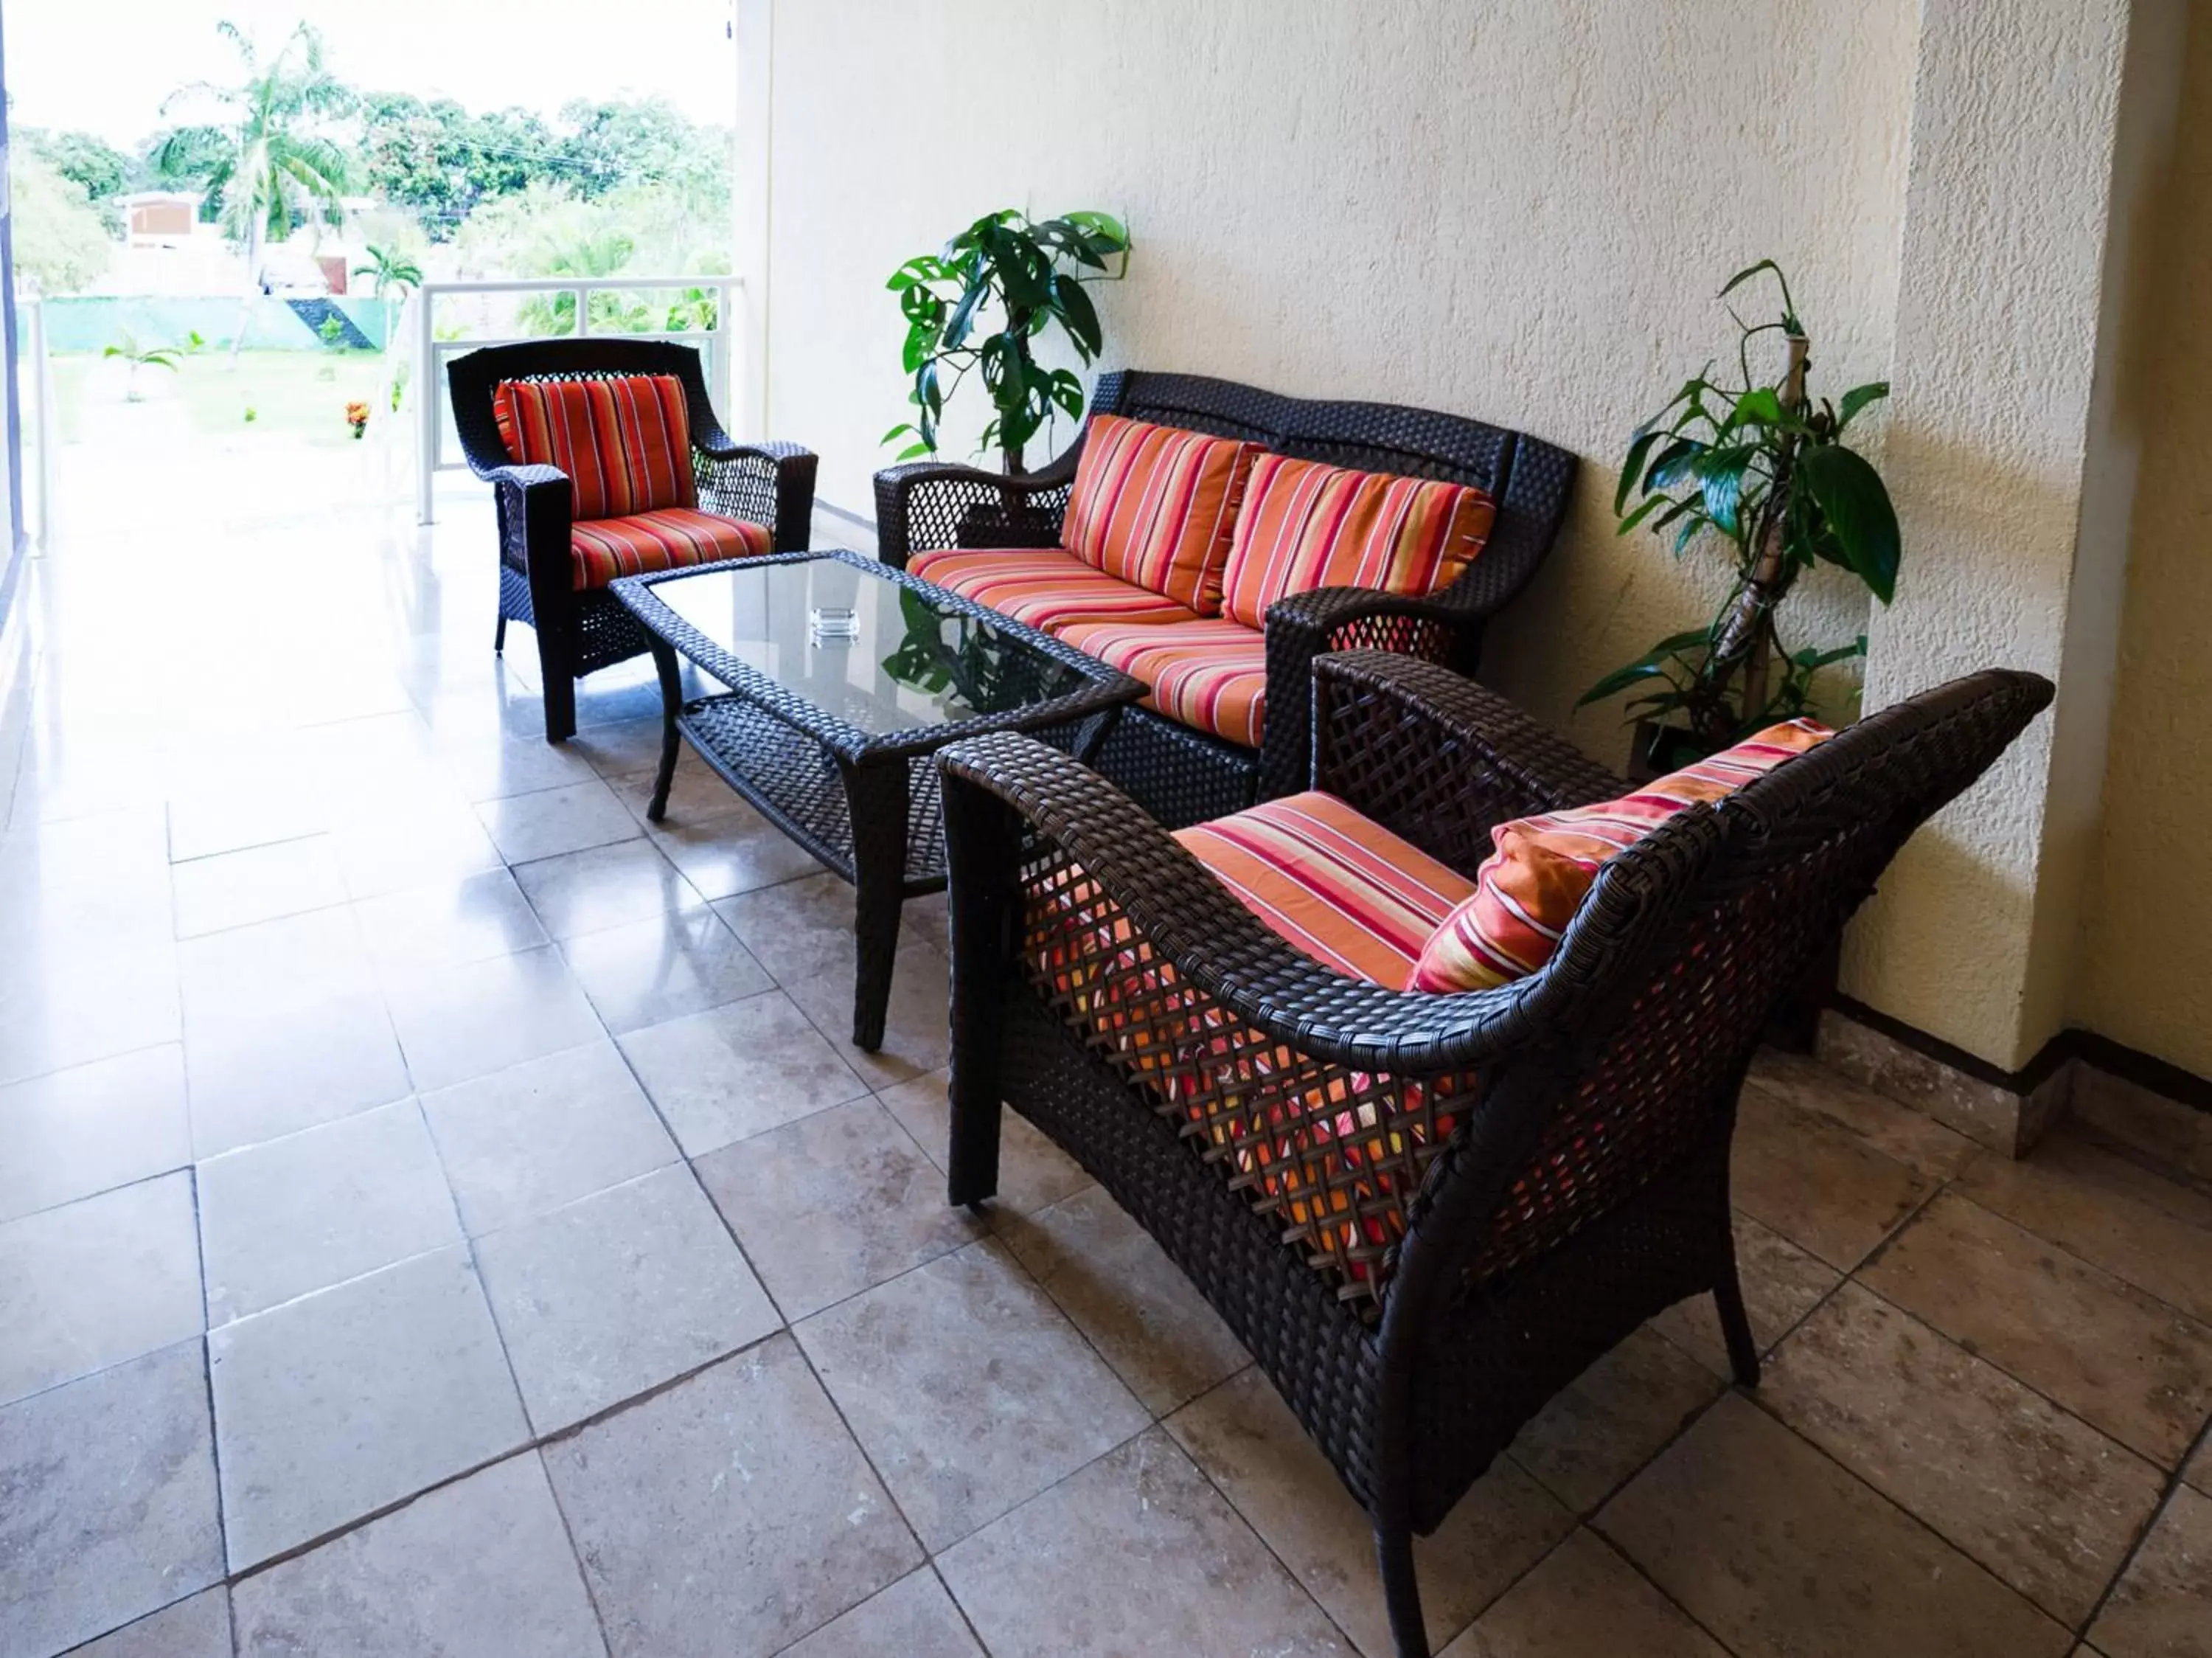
[104, 65]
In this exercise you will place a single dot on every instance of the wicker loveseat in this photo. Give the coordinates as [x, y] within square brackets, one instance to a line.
[718, 498]
[1179, 772]
[1423, 1214]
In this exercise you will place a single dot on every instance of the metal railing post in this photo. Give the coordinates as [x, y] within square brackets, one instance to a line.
[42, 423]
[429, 400]
[718, 355]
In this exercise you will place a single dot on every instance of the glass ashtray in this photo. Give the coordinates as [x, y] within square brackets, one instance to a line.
[833, 625]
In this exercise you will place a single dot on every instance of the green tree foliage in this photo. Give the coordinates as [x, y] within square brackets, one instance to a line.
[61, 246]
[94, 165]
[442, 160]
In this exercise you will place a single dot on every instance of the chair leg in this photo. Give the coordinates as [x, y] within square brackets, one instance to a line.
[557, 674]
[1736, 1327]
[1401, 1590]
[499, 637]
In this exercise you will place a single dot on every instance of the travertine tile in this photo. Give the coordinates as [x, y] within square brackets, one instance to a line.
[1912, 1137]
[913, 1619]
[969, 1391]
[2162, 1607]
[1138, 1309]
[234, 889]
[78, 1132]
[469, 1021]
[616, 1293]
[731, 851]
[2107, 1352]
[663, 967]
[2199, 1471]
[917, 1031]
[1613, 1419]
[333, 1406]
[198, 1627]
[604, 887]
[252, 1080]
[483, 1565]
[79, 1007]
[1134, 1554]
[834, 1204]
[1033, 1173]
[796, 928]
[445, 925]
[2156, 1233]
[2043, 1500]
[1781, 1284]
[552, 821]
[737, 1070]
[97, 1282]
[317, 1208]
[544, 1133]
[1583, 1599]
[1816, 1182]
[232, 978]
[411, 843]
[729, 1515]
[109, 1501]
[1775, 1550]
[1248, 1443]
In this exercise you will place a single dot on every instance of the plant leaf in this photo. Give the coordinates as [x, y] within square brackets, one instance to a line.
[1857, 399]
[1851, 497]
[1638, 448]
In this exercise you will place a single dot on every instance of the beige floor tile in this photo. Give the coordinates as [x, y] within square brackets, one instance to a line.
[1816, 1182]
[198, 1627]
[548, 822]
[1781, 1284]
[233, 977]
[604, 887]
[729, 1515]
[236, 889]
[736, 850]
[76, 1132]
[1248, 1443]
[447, 923]
[467, 1021]
[2156, 1233]
[1582, 1599]
[1613, 1419]
[917, 1031]
[737, 1070]
[834, 1204]
[969, 1390]
[252, 1079]
[1775, 1550]
[1912, 1137]
[2162, 1607]
[1033, 1173]
[663, 967]
[407, 843]
[1136, 1556]
[87, 1005]
[913, 1619]
[2199, 1472]
[2042, 1499]
[796, 928]
[2131, 1365]
[1138, 1309]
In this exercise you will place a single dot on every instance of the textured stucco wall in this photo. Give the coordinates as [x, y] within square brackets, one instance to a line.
[1518, 212]
[2146, 973]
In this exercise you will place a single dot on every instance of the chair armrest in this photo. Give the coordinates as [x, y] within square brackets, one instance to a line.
[932, 503]
[767, 483]
[1435, 758]
[1175, 905]
[535, 507]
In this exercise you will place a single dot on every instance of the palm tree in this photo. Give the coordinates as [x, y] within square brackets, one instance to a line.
[387, 270]
[265, 166]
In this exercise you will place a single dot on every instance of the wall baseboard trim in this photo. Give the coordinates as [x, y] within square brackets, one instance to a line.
[831, 510]
[2156, 1107]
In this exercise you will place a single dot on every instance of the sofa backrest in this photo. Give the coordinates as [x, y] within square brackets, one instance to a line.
[1527, 478]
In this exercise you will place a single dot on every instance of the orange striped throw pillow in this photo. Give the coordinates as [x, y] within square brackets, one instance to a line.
[1529, 889]
[1153, 506]
[1305, 525]
[625, 443]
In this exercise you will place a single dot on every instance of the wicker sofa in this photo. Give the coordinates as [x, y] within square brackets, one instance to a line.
[1424, 1215]
[1182, 774]
[554, 562]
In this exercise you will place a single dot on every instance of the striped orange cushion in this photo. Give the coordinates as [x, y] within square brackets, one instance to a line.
[667, 539]
[1340, 888]
[1153, 506]
[624, 444]
[1529, 889]
[1044, 587]
[1305, 525]
[1209, 675]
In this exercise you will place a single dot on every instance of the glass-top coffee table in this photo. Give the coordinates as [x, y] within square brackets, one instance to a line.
[845, 676]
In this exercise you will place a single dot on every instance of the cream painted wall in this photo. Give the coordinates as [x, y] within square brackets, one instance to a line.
[1517, 212]
[2146, 964]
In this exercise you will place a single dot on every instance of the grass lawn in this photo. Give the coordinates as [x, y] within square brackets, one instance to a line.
[299, 396]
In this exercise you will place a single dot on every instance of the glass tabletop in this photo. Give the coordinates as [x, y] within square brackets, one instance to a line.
[873, 651]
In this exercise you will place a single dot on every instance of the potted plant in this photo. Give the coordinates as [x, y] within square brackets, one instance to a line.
[1763, 471]
[977, 306]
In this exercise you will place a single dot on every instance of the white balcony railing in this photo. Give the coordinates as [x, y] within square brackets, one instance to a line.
[430, 353]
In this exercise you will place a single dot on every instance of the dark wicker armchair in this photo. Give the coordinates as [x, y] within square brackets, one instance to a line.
[578, 632]
[1182, 775]
[1542, 1166]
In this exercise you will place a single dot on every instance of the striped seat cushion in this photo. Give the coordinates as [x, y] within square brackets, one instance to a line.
[1336, 886]
[625, 443]
[667, 539]
[1046, 587]
[1529, 889]
[1153, 505]
[1305, 524]
[1212, 675]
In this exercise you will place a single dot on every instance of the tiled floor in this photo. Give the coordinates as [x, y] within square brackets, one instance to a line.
[439, 1213]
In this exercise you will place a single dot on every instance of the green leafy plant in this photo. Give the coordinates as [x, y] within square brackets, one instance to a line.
[332, 333]
[985, 671]
[137, 356]
[1021, 275]
[1763, 471]
[390, 273]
